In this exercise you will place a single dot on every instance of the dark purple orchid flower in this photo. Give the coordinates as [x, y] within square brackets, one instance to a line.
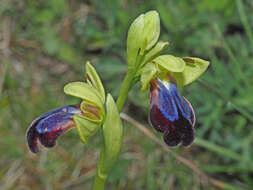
[48, 127]
[171, 113]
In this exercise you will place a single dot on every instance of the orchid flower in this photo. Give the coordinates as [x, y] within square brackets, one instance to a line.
[171, 113]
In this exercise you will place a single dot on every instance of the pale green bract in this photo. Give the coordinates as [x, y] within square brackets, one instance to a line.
[112, 132]
[170, 63]
[194, 67]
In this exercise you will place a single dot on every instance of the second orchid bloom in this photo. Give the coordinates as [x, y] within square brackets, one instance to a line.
[170, 113]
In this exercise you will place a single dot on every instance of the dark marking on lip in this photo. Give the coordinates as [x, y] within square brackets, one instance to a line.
[188, 60]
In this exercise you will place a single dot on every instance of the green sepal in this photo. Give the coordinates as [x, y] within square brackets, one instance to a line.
[151, 30]
[193, 69]
[86, 127]
[84, 91]
[170, 63]
[154, 52]
[112, 132]
[148, 73]
[134, 39]
[94, 80]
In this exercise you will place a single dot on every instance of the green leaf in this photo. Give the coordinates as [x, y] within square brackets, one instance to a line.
[94, 80]
[155, 51]
[135, 39]
[85, 127]
[151, 30]
[112, 131]
[84, 91]
[148, 73]
[170, 63]
[193, 69]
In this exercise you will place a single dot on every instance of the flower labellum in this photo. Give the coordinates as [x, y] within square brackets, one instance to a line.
[48, 127]
[171, 113]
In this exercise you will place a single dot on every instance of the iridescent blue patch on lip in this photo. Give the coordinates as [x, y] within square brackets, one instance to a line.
[171, 103]
[171, 114]
[48, 127]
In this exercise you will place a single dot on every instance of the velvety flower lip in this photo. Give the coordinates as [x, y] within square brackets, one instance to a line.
[48, 127]
[171, 113]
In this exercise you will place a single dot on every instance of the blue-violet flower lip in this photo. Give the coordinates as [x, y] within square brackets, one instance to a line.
[171, 113]
[48, 127]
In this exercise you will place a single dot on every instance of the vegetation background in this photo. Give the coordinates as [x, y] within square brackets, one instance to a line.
[44, 45]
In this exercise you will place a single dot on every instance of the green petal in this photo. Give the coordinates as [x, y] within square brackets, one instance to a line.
[135, 39]
[85, 127]
[94, 80]
[84, 91]
[193, 69]
[148, 73]
[170, 63]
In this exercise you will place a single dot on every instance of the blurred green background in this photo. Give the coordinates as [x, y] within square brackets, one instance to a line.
[44, 45]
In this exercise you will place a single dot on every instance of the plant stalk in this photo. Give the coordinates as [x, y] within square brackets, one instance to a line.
[99, 183]
[125, 88]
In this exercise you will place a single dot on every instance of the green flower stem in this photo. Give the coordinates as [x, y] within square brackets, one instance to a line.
[126, 87]
[128, 82]
[99, 183]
